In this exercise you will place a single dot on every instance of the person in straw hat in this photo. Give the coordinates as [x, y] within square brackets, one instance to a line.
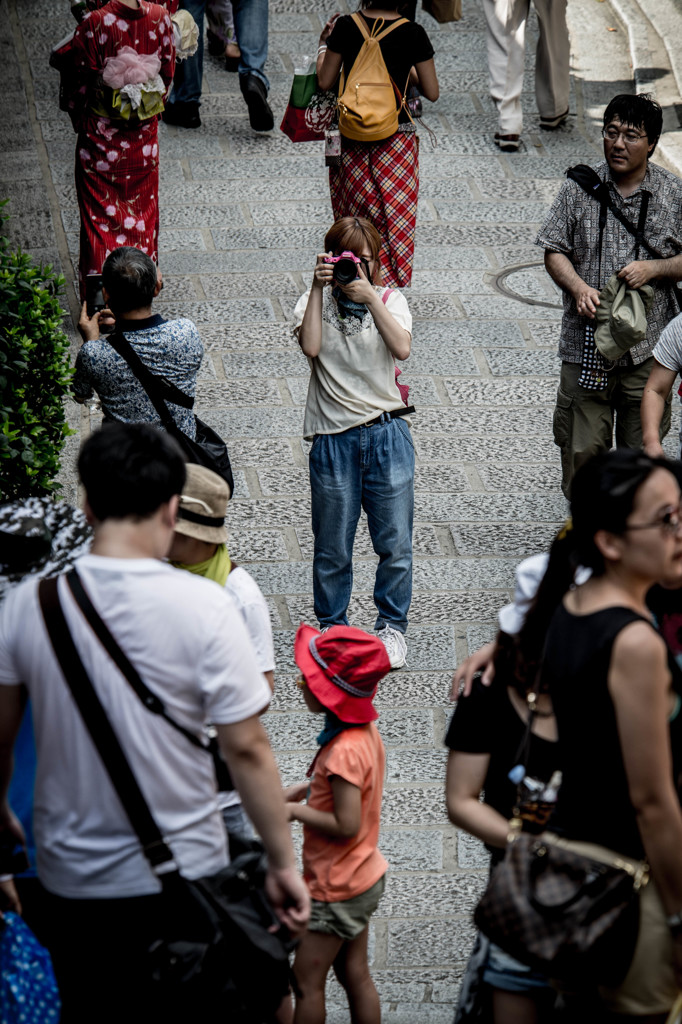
[342, 866]
[200, 547]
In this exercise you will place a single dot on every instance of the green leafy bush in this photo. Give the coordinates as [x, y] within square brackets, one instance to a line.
[35, 374]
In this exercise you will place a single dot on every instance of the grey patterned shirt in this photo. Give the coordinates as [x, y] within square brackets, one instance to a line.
[572, 228]
[170, 348]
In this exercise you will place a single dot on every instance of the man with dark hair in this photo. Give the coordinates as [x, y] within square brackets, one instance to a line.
[581, 257]
[169, 348]
[187, 640]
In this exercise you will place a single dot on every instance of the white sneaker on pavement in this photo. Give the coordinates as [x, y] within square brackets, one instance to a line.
[396, 647]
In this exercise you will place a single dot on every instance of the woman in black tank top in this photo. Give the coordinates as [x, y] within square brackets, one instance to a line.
[607, 671]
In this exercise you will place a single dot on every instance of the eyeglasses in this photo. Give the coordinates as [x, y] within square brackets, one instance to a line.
[669, 522]
[630, 138]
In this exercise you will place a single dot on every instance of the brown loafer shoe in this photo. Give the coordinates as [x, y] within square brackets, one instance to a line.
[550, 123]
[507, 143]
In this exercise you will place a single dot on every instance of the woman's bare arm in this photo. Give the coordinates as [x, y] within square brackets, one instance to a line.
[464, 782]
[639, 683]
[427, 79]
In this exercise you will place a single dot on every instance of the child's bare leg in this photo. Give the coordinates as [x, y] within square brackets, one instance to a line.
[314, 957]
[352, 970]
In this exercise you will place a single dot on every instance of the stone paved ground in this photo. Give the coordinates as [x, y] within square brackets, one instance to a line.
[241, 219]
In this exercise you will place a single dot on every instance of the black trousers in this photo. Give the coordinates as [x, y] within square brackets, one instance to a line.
[99, 951]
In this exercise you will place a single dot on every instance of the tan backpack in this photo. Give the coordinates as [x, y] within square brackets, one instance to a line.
[369, 100]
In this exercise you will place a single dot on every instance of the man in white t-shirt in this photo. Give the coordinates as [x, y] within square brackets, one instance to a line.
[189, 644]
[362, 454]
[667, 355]
[200, 547]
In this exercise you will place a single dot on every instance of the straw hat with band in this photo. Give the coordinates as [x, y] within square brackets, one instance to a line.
[342, 668]
[202, 505]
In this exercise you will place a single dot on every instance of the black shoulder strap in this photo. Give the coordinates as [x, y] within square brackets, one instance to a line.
[590, 182]
[98, 725]
[151, 701]
[99, 627]
[159, 389]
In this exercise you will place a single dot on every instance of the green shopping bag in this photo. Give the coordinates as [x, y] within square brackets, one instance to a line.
[309, 111]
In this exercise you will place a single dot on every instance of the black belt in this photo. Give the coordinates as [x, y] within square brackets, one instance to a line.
[392, 415]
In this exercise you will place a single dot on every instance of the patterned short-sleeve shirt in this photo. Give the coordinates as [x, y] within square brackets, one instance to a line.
[169, 348]
[572, 228]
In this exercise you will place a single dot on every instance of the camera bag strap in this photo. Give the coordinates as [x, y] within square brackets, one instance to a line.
[590, 182]
[106, 742]
[158, 389]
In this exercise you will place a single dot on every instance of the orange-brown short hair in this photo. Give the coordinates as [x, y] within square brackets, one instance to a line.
[354, 233]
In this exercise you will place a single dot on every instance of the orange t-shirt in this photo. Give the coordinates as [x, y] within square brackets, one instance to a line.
[339, 869]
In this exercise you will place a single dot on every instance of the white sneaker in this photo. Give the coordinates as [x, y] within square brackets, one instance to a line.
[396, 647]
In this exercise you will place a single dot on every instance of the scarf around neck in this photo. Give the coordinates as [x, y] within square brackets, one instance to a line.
[333, 726]
[216, 568]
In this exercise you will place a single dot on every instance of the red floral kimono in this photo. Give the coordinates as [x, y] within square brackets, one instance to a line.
[117, 159]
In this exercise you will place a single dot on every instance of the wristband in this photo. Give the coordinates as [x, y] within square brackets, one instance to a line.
[322, 49]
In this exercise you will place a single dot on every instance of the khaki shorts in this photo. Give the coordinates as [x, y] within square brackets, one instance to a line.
[347, 918]
[649, 986]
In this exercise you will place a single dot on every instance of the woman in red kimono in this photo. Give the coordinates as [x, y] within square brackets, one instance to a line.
[123, 63]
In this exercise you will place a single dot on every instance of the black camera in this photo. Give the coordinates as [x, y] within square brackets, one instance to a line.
[94, 300]
[346, 267]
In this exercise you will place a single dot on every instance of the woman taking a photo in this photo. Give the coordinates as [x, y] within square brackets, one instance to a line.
[613, 690]
[362, 454]
[379, 180]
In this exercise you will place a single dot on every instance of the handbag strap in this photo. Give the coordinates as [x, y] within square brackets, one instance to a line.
[157, 389]
[99, 627]
[151, 701]
[106, 742]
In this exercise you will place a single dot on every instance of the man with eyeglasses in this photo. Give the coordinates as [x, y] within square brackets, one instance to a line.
[593, 393]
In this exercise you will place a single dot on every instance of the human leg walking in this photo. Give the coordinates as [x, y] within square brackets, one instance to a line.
[505, 43]
[182, 108]
[552, 62]
[251, 25]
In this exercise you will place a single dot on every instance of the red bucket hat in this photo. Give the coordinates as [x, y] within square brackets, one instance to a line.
[342, 667]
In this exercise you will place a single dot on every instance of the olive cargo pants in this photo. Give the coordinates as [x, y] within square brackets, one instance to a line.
[584, 419]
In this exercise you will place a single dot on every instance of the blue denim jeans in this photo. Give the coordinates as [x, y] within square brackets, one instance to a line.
[251, 25]
[370, 468]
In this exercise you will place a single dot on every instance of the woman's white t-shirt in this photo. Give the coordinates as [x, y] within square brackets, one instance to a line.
[352, 380]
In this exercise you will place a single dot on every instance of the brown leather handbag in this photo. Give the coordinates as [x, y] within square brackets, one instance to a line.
[569, 910]
[443, 10]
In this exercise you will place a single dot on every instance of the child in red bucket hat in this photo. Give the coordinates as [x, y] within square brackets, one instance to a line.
[344, 870]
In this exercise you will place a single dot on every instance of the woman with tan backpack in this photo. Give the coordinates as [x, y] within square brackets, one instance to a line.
[375, 55]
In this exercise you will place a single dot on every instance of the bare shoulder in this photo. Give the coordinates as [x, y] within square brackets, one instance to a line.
[639, 639]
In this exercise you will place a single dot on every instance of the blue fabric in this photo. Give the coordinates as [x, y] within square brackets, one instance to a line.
[370, 468]
[189, 73]
[332, 727]
[171, 349]
[251, 27]
[22, 784]
[347, 307]
[504, 972]
[28, 990]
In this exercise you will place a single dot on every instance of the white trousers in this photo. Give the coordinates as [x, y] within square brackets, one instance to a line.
[505, 39]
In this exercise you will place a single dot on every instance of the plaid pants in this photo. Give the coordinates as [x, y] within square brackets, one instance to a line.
[380, 181]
